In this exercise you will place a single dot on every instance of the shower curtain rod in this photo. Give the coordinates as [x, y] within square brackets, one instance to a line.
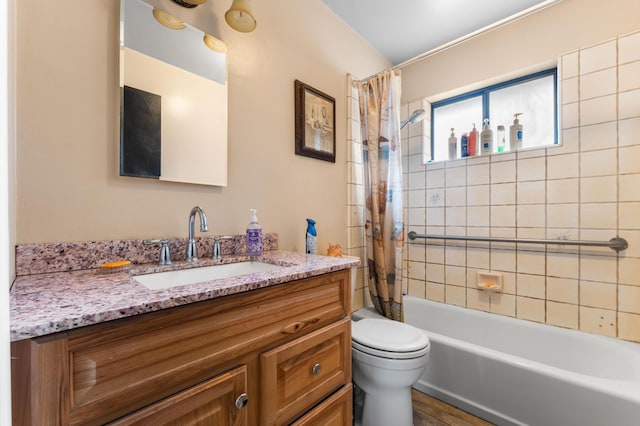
[616, 243]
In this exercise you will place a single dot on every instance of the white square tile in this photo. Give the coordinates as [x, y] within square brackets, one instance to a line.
[416, 199]
[455, 255]
[478, 300]
[435, 216]
[415, 181]
[455, 216]
[435, 292]
[563, 166]
[570, 116]
[530, 309]
[415, 145]
[598, 295]
[417, 271]
[570, 91]
[456, 196]
[503, 193]
[435, 178]
[629, 104]
[531, 216]
[629, 187]
[416, 217]
[478, 174]
[569, 142]
[562, 215]
[478, 216]
[563, 191]
[478, 258]
[629, 75]
[503, 304]
[598, 189]
[503, 172]
[629, 48]
[599, 163]
[562, 290]
[598, 136]
[504, 216]
[599, 83]
[629, 131]
[629, 326]
[454, 295]
[569, 65]
[530, 262]
[562, 315]
[435, 272]
[563, 265]
[598, 57]
[435, 197]
[455, 275]
[596, 320]
[599, 215]
[629, 299]
[435, 254]
[598, 110]
[531, 285]
[630, 159]
[531, 169]
[416, 253]
[503, 260]
[533, 192]
[598, 268]
[629, 217]
[633, 238]
[478, 195]
[417, 288]
[456, 176]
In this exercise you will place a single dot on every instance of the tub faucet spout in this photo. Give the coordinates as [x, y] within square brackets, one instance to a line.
[192, 249]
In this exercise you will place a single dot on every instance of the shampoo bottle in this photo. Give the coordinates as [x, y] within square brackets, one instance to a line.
[464, 145]
[254, 236]
[500, 142]
[453, 146]
[515, 134]
[311, 236]
[473, 141]
[486, 138]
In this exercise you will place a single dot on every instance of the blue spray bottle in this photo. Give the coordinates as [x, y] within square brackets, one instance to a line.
[311, 236]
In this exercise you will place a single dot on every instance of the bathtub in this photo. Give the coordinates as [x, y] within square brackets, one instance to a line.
[516, 372]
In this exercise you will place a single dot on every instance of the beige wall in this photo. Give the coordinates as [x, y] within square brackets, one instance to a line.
[531, 43]
[68, 100]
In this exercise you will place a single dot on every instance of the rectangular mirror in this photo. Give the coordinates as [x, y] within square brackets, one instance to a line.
[173, 118]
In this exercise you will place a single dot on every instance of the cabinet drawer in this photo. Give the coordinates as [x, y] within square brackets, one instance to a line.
[334, 411]
[300, 374]
[212, 402]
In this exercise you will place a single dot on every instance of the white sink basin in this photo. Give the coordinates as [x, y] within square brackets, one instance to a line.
[162, 280]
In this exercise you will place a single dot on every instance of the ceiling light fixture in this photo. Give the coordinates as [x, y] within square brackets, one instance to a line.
[239, 16]
[189, 3]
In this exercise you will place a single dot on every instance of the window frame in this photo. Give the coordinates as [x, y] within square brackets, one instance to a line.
[484, 93]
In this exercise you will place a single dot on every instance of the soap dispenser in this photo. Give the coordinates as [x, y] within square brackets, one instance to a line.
[515, 134]
[254, 236]
[486, 138]
[473, 141]
[453, 145]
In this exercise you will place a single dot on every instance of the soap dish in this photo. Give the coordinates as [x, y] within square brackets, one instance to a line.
[114, 267]
[489, 281]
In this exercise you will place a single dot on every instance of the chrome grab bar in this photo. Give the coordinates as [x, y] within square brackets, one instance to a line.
[616, 243]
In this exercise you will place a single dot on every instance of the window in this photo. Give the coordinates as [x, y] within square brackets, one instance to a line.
[534, 95]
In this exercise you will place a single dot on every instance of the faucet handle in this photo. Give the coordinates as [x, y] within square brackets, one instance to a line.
[165, 253]
[217, 250]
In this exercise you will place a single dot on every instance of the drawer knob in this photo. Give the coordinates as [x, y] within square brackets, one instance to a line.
[242, 401]
[316, 369]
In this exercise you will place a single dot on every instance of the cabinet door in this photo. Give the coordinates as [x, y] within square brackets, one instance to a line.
[334, 411]
[300, 374]
[220, 401]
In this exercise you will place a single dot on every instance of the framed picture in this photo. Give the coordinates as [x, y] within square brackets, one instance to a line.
[315, 114]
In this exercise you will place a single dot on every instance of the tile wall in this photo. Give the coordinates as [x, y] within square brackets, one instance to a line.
[588, 188]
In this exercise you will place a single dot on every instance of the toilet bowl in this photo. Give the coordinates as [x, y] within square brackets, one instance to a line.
[388, 358]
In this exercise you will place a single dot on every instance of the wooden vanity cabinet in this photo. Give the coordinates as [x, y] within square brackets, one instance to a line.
[273, 356]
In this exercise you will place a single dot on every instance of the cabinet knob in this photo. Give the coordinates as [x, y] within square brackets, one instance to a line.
[242, 401]
[316, 369]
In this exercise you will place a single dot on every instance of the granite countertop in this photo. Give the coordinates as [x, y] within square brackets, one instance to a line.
[47, 303]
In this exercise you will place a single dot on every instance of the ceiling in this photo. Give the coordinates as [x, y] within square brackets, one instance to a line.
[403, 29]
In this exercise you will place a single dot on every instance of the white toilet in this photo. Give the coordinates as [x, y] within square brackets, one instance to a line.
[388, 358]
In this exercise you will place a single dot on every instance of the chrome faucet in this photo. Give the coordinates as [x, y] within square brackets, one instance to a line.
[192, 249]
[217, 250]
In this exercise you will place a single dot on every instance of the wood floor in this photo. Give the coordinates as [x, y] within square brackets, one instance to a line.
[428, 411]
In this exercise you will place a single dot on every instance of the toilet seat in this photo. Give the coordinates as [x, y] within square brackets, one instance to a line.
[389, 339]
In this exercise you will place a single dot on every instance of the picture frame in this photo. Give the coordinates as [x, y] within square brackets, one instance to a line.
[315, 123]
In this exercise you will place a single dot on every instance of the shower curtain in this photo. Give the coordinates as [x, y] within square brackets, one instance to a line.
[379, 99]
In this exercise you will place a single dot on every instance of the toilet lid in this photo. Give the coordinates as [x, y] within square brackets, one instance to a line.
[387, 335]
